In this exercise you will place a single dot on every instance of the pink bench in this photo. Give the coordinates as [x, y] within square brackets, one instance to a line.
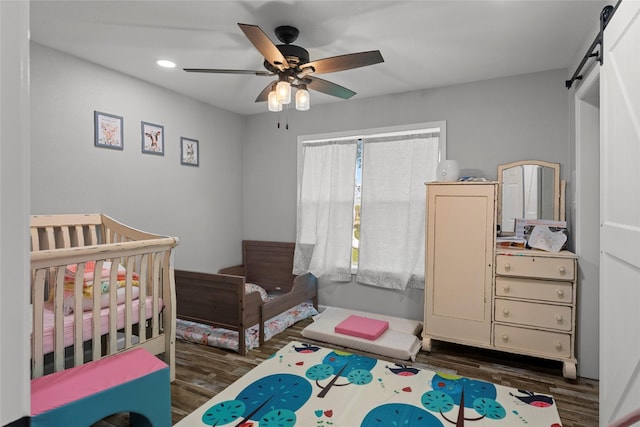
[134, 381]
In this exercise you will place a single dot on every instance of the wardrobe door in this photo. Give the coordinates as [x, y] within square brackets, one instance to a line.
[459, 262]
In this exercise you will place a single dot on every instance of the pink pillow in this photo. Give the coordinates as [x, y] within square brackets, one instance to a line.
[363, 327]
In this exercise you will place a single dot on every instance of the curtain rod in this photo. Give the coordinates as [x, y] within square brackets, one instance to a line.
[605, 17]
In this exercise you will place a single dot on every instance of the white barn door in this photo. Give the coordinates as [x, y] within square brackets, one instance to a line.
[620, 215]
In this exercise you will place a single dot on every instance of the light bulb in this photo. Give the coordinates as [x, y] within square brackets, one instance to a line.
[272, 102]
[302, 98]
[283, 92]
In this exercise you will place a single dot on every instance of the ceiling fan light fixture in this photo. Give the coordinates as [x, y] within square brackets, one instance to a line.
[272, 102]
[283, 92]
[302, 98]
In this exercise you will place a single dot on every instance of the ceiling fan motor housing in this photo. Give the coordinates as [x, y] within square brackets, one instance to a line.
[295, 55]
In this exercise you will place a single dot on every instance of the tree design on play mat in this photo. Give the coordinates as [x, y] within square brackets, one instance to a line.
[399, 414]
[354, 367]
[271, 400]
[448, 392]
[451, 390]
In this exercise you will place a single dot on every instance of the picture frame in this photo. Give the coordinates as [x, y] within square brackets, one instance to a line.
[189, 151]
[108, 130]
[152, 136]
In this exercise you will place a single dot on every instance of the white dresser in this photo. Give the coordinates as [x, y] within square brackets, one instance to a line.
[512, 300]
[534, 305]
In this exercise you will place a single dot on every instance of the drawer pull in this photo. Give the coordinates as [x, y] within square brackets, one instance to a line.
[559, 318]
[507, 267]
[505, 312]
[562, 271]
[560, 293]
[558, 346]
[506, 288]
[505, 337]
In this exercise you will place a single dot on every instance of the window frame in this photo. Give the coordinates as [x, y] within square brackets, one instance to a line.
[368, 133]
[424, 127]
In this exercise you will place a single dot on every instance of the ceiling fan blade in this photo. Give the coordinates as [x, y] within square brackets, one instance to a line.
[218, 71]
[345, 62]
[328, 87]
[264, 95]
[265, 46]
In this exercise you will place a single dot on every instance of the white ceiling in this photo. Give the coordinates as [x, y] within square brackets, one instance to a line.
[425, 44]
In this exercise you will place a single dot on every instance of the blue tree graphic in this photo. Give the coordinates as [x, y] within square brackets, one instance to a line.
[272, 399]
[399, 414]
[354, 367]
[451, 390]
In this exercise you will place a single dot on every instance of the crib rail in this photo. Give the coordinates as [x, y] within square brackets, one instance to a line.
[103, 328]
[65, 231]
[78, 230]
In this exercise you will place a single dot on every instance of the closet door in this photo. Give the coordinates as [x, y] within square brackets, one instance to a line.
[459, 262]
[620, 215]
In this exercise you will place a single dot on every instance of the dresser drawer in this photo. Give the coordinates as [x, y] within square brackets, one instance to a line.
[532, 314]
[543, 290]
[533, 266]
[553, 344]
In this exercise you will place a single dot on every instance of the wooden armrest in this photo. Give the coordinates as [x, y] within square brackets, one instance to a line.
[236, 270]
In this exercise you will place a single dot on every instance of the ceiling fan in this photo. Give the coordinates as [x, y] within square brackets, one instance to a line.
[291, 64]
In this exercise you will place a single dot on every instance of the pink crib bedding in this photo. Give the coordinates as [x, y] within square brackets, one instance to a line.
[48, 322]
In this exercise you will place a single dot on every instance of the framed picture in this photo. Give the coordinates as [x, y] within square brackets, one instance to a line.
[108, 130]
[189, 152]
[152, 138]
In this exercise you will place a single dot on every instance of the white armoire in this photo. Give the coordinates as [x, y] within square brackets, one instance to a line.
[461, 229]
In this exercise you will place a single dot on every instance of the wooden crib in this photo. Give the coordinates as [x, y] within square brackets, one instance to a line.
[131, 305]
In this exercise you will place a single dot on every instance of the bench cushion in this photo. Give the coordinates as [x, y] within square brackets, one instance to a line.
[363, 327]
[61, 388]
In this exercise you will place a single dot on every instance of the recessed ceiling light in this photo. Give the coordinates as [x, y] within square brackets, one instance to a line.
[165, 63]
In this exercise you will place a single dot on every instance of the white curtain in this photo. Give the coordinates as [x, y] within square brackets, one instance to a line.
[325, 209]
[392, 219]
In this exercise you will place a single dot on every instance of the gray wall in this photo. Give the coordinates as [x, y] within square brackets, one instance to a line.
[488, 123]
[200, 205]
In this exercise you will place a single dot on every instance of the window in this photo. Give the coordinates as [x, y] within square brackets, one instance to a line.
[361, 202]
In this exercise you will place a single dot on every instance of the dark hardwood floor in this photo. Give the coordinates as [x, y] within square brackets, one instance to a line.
[202, 372]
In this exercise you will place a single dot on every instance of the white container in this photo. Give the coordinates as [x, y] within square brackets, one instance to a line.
[448, 170]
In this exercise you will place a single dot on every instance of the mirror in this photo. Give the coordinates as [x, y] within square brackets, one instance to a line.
[528, 189]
